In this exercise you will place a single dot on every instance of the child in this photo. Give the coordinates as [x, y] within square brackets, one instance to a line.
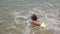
[35, 20]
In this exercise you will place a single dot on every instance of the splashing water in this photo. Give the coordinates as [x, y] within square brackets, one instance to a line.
[15, 16]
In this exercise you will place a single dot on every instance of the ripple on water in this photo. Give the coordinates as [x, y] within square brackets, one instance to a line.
[21, 22]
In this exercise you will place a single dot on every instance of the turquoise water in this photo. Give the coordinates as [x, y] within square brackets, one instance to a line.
[15, 16]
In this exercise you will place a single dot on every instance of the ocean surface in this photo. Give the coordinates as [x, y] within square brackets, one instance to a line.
[15, 16]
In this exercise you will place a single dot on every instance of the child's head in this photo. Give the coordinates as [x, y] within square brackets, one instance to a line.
[34, 17]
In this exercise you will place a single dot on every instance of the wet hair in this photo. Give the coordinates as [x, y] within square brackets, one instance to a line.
[34, 17]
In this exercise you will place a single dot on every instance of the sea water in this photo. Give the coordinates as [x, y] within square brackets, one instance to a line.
[15, 16]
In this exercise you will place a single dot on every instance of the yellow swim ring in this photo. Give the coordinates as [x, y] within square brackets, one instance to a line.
[43, 25]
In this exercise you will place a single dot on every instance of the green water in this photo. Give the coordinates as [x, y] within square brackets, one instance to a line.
[15, 16]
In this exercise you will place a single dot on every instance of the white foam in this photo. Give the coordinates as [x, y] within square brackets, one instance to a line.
[47, 4]
[32, 12]
[38, 11]
[50, 21]
[11, 27]
[27, 28]
[1, 21]
[16, 12]
[18, 16]
[17, 22]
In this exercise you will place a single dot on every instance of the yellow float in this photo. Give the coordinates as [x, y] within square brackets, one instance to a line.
[43, 25]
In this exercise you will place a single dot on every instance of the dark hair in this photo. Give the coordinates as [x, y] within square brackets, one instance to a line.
[34, 17]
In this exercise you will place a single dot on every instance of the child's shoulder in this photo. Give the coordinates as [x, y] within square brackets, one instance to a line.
[39, 20]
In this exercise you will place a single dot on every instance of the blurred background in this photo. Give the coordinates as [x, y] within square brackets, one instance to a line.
[15, 16]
